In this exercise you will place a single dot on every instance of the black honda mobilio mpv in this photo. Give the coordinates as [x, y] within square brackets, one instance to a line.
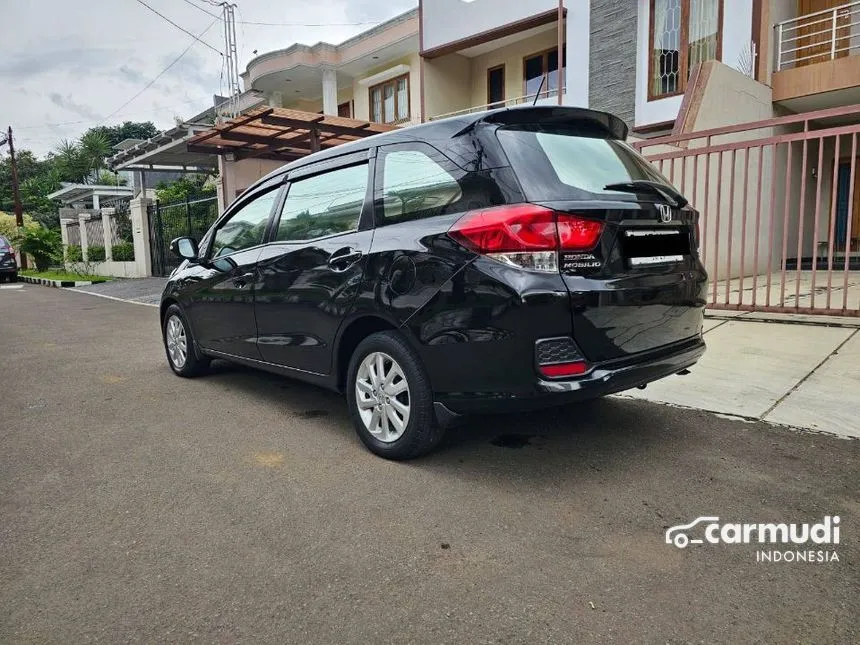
[503, 260]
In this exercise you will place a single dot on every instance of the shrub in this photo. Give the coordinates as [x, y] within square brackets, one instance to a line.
[8, 229]
[96, 254]
[123, 252]
[44, 245]
[74, 253]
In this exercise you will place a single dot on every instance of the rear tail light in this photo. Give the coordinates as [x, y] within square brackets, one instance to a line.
[525, 235]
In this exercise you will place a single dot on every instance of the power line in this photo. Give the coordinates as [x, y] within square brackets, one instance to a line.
[309, 24]
[162, 72]
[283, 24]
[183, 29]
[199, 8]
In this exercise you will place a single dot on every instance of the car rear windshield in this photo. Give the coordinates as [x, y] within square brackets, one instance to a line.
[3, 242]
[559, 163]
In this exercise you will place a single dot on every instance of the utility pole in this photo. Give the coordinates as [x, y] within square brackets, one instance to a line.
[232, 57]
[19, 210]
[16, 194]
[562, 71]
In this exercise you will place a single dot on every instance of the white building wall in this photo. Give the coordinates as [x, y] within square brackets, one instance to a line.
[736, 36]
[447, 21]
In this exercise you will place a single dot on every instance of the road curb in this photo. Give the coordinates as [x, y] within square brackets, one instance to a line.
[58, 284]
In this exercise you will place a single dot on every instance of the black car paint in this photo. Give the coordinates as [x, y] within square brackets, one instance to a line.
[8, 262]
[473, 321]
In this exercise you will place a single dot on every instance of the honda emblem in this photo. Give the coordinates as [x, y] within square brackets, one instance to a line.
[665, 212]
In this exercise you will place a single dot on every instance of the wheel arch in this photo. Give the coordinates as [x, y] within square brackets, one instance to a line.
[353, 333]
[164, 306]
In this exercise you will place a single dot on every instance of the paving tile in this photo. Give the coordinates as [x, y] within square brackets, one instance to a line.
[710, 323]
[748, 367]
[829, 399]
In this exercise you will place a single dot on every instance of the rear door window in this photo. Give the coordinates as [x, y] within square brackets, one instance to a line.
[561, 163]
[417, 184]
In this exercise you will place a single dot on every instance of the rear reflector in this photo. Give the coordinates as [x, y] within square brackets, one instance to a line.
[564, 369]
[525, 235]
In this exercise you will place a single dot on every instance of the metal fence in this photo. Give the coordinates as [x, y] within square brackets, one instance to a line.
[74, 234]
[95, 232]
[169, 221]
[120, 225]
[779, 214]
[818, 36]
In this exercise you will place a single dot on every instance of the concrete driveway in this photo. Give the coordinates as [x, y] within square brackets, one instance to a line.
[239, 507]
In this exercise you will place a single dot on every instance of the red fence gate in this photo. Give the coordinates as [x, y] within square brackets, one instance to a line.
[779, 204]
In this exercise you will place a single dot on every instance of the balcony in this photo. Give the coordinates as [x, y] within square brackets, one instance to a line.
[544, 97]
[815, 63]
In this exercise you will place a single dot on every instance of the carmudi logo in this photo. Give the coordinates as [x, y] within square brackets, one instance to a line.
[709, 530]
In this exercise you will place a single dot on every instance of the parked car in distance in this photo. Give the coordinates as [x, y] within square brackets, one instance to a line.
[8, 263]
[504, 260]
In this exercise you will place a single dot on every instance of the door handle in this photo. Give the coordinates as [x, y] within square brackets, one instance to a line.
[341, 259]
[240, 282]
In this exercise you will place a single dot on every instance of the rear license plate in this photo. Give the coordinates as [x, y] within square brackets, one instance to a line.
[646, 246]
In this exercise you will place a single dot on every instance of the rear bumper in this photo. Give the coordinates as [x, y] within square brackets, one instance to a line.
[8, 269]
[604, 378]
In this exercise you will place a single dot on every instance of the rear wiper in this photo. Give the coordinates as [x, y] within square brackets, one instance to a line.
[668, 193]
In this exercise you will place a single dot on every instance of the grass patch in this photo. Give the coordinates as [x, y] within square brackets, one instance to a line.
[63, 275]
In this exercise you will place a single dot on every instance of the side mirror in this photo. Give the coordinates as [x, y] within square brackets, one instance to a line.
[184, 247]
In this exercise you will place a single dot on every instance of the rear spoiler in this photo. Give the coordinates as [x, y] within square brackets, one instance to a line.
[609, 123]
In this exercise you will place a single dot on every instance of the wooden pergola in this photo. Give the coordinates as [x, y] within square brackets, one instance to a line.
[281, 134]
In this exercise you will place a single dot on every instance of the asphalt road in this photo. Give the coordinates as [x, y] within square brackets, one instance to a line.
[239, 507]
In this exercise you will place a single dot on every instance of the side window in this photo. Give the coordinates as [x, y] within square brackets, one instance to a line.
[415, 186]
[246, 227]
[323, 205]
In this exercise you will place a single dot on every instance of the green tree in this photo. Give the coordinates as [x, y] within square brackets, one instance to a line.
[29, 167]
[107, 178]
[128, 130]
[70, 161]
[45, 245]
[190, 186]
[95, 148]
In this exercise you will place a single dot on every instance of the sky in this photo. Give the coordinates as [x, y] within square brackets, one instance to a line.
[68, 65]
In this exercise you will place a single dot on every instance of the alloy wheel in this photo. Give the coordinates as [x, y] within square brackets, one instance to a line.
[382, 396]
[177, 342]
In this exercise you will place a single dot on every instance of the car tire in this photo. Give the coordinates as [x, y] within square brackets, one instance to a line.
[13, 277]
[179, 344]
[376, 405]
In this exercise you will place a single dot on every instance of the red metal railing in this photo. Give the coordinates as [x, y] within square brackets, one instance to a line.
[779, 226]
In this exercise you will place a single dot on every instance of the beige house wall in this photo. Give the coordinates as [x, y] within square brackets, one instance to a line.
[315, 104]
[361, 93]
[511, 56]
[237, 176]
[447, 84]
[786, 198]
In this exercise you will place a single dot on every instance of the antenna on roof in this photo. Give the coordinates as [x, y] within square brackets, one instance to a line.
[540, 87]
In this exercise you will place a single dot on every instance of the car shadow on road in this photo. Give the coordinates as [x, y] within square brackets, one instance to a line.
[592, 435]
